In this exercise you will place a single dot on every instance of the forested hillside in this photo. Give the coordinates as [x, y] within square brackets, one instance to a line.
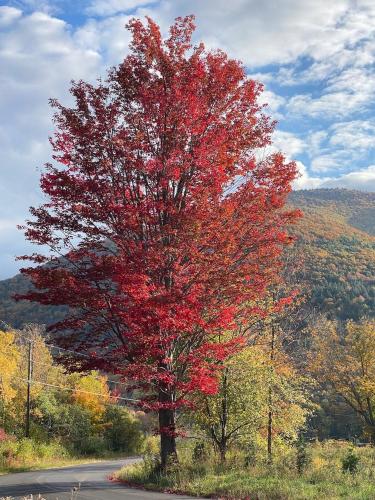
[337, 243]
[17, 314]
[336, 238]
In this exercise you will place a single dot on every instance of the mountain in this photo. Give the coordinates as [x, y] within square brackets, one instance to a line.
[19, 313]
[337, 240]
[336, 237]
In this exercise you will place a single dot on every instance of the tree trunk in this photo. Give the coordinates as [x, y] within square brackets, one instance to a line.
[224, 417]
[270, 402]
[269, 428]
[223, 452]
[167, 428]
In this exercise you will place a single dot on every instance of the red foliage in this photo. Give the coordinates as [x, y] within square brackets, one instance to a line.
[3, 435]
[161, 220]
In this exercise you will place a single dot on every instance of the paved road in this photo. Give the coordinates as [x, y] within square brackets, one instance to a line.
[55, 484]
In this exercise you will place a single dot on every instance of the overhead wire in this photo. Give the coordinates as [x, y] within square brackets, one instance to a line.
[71, 389]
[38, 363]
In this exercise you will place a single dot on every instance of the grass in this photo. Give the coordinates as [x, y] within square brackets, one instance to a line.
[323, 477]
[47, 464]
[28, 455]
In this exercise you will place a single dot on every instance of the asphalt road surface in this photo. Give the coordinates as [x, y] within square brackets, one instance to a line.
[94, 482]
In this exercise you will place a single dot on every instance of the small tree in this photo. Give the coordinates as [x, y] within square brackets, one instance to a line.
[234, 414]
[160, 219]
[91, 392]
[123, 430]
[239, 412]
[345, 361]
[10, 356]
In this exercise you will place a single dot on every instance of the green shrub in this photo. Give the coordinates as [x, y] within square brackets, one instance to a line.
[93, 445]
[73, 425]
[199, 452]
[28, 452]
[51, 450]
[250, 454]
[350, 462]
[123, 430]
[302, 456]
[151, 445]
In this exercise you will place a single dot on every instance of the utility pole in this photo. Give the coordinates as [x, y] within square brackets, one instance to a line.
[29, 379]
[270, 395]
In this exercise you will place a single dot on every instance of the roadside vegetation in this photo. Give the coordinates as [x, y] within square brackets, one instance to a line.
[73, 417]
[329, 470]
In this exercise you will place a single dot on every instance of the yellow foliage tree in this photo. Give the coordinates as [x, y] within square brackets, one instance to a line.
[9, 362]
[347, 363]
[92, 393]
[239, 412]
[46, 374]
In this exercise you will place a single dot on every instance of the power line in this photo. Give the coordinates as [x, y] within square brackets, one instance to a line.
[53, 346]
[77, 390]
[38, 363]
[109, 381]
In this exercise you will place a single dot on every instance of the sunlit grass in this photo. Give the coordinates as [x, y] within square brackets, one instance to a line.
[323, 479]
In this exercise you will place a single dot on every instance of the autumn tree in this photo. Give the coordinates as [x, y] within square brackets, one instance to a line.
[345, 361]
[238, 414]
[44, 372]
[161, 219]
[233, 415]
[278, 325]
[92, 393]
[9, 364]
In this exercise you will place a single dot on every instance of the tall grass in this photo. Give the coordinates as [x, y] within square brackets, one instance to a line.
[323, 477]
[29, 454]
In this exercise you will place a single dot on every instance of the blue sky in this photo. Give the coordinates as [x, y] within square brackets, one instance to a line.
[315, 57]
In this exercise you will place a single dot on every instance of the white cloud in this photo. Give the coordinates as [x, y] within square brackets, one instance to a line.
[350, 43]
[8, 15]
[107, 36]
[38, 58]
[110, 7]
[358, 135]
[315, 140]
[288, 143]
[346, 92]
[326, 162]
[363, 180]
[258, 33]
[341, 145]
[304, 180]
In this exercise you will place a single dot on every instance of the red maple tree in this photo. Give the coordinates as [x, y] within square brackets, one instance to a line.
[160, 220]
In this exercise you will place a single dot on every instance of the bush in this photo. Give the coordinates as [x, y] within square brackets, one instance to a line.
[302, 457]
[199, 452]
[28, 452]
[8, 451]
[350, 462]
[74, 426]
[51, 450]
[250, 454]
[123, 430]
[93, 445]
